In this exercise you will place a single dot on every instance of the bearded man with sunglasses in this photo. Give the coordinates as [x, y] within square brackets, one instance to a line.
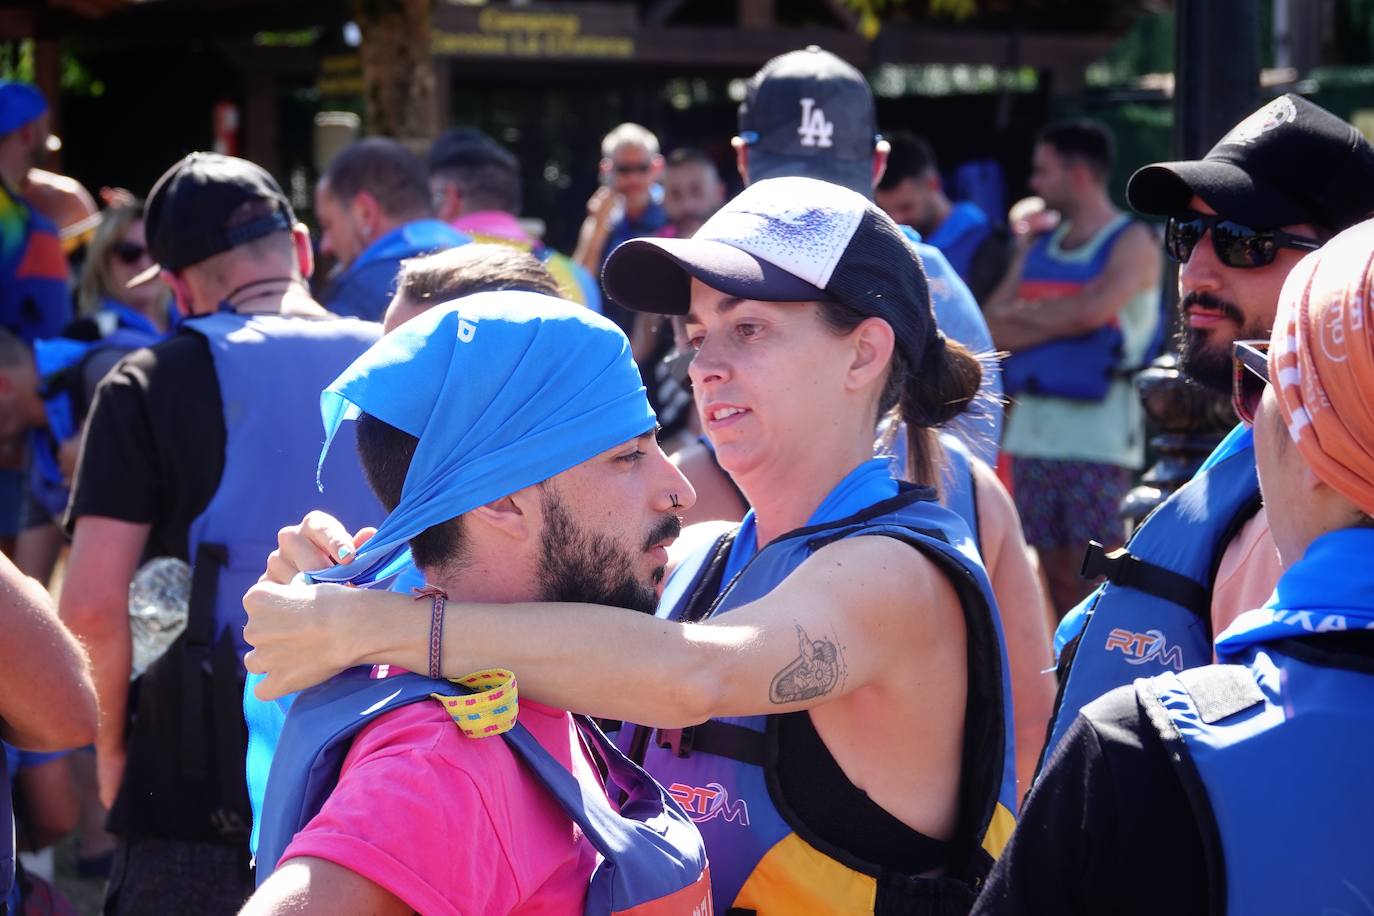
[1278, 185]
[1241, 787]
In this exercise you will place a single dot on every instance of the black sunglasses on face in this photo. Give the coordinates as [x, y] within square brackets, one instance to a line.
[640, 168]
[128, 252]
[1249, 376]
[1236, 244]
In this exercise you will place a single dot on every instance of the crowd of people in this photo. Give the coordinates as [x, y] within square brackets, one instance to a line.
[733, 562]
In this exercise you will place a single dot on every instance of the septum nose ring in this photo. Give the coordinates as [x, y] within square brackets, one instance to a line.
[676, 504]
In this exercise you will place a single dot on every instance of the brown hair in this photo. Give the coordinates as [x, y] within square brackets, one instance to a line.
[472, 268]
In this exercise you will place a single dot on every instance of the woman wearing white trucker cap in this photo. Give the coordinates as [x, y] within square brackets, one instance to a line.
[824, 688]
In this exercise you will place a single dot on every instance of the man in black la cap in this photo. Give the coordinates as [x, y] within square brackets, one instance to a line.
[199, 448]
[1276, 186]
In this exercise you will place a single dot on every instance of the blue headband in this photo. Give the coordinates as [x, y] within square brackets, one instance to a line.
[503, 390]
[20, 103]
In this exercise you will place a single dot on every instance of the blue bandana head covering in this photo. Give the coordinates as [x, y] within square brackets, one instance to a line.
[503, 390]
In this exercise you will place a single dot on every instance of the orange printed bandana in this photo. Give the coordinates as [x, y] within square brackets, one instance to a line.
[1321, 362]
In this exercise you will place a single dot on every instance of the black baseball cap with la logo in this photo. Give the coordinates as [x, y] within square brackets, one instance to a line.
[807, 113]
[1291, 162]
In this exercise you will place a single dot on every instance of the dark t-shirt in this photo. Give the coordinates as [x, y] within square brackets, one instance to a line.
[1107, 830]
[153, 450]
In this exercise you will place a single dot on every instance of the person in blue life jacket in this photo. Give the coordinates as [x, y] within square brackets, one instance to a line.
[843, 636]
[1240, 784]
[198, 448]
[1239, 220]
[509, 435]
[977, 247]
[373, 204]
[1079, 313]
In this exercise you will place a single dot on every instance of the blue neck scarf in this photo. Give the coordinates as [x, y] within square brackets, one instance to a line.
[869, 483]
[1331, 588]
[503, 390]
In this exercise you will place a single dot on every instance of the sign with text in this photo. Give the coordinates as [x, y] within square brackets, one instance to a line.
[573, 30]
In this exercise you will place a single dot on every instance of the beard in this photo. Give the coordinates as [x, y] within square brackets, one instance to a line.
[585, 567]
[1208, 364]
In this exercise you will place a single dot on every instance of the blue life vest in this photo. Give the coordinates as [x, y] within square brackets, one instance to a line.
[1082, 367]
[365, 287]
[1273, 749]
[271, 370]
[1273, 752]
[961, 235]
[1154, 611]
[652, 857]
[60, 362]
[724, 771]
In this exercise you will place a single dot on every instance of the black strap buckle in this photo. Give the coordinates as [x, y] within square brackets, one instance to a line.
[678, 740]
[1123, 568]
[1097, 562]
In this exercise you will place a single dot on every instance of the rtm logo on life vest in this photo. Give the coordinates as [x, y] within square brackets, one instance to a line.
[1140, 648]
[815, 130]
[466, 329]
[705, 803]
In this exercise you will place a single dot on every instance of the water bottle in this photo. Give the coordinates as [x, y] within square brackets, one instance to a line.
[159, 598]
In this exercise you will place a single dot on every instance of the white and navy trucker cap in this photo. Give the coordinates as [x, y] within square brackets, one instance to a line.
[784, 240]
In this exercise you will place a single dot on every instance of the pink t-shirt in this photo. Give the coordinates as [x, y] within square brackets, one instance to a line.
[451, 824]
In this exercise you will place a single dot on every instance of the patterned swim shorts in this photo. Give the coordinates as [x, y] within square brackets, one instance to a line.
[1068, 503]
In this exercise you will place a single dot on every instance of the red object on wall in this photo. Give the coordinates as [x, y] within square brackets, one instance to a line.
[226, 128]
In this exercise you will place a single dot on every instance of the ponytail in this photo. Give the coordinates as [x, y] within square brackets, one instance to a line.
[944, 387]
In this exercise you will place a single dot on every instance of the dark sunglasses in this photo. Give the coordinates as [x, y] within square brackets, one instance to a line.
[128, 252]
[1249, 376]
[1236, 244]
[641, 168]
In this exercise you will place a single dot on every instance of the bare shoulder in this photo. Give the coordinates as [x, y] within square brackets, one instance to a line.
[1139, 241]
[997, 516]
[876, 577]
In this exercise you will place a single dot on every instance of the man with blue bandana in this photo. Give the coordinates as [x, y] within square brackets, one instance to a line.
[510, 437]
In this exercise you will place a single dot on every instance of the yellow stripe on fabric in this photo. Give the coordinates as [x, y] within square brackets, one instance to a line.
[795, 877]
[490, 711]
[999, 830]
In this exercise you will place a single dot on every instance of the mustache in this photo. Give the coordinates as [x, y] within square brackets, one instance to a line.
[1213, 303]
[669, 527]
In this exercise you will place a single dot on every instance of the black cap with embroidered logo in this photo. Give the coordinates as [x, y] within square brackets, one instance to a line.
[808, 113]
[1291, 162]
[190, 210]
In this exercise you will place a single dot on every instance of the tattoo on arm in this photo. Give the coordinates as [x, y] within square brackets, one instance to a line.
[815, 672]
